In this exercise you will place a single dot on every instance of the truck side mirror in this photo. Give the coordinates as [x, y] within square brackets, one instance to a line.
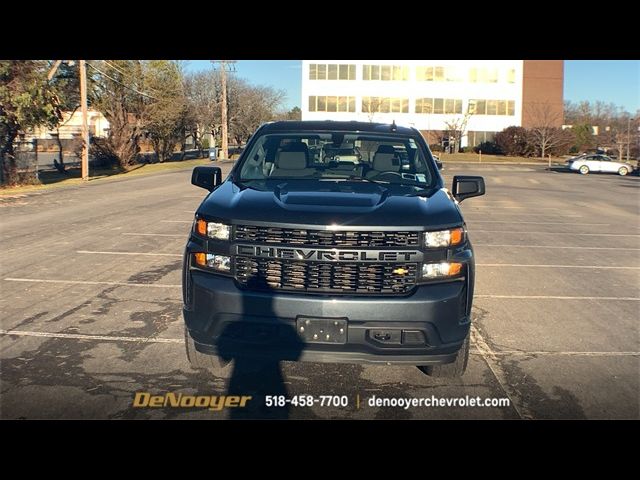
[465, 186]
[439, 164]
[206, 177]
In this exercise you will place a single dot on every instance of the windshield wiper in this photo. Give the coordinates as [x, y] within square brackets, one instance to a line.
[358, 178]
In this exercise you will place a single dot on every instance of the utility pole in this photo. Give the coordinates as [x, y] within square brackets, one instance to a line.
[85, 126]
[224, 153]
[628, 135]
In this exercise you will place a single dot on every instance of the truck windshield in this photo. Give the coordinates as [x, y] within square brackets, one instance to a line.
[337, 155]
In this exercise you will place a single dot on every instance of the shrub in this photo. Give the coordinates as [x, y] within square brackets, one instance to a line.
[490, 148]
[436, 147]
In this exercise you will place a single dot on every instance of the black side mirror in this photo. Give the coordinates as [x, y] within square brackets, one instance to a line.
[206, 177]
[466, 186]
[439, 164]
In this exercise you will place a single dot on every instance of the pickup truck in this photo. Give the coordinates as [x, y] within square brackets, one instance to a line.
[304, 257]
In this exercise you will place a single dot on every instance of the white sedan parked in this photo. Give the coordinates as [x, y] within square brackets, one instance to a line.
[598, 163]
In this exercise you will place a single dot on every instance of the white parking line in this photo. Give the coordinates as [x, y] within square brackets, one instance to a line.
[522, 214]
[554, 297]
[563, 233]
[492, 362]
[79, 336]
[181, 235]
[510, 207]
[534, 181]
[132, 253]
[554, 247]
[553, 266]
[543, 223]
[567, 354]
[88, 282]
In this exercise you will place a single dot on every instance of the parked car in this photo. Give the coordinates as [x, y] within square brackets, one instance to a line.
[598, 163]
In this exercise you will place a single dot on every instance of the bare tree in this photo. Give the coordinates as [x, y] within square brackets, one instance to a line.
[203, 94]
[371, 106]
[250, 106]
[116, 93]
[456, 127]
[544, 131]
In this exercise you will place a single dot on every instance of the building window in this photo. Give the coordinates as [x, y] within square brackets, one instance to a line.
[385, 72]
[438, 74]
[438, 105]
[492, 107]
[332, 71]
[331, 104]
[475, 138]
[385, 105]
[511, 75]
[483, 75]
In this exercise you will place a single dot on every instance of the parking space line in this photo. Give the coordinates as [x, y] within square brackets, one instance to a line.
[556, 297]
[88, 282]
[543, 353]
[517, 265]
[534, 181]
[520, 214]
[79, 336]
[543, 223]
[181, 235]
[554, 247]
[564, 233]
[132, 253]
[492, 362]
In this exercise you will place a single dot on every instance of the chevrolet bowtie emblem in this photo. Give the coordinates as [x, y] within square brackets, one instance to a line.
[400, 271]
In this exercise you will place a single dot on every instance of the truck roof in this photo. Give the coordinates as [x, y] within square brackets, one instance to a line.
[331, 125]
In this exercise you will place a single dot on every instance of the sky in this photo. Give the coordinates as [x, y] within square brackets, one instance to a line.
[612, 81]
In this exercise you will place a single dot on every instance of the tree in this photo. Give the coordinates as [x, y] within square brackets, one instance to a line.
[456, 127]
[166, 113]
[66, 82]
[249, 107]
[371, 106]
[294, 114]
[513, 141]
[584, 136]
[116, 92]
[544, 133]
[203, 95]
[26, 101]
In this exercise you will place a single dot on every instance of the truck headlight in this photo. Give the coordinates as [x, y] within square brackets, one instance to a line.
[441, 270]
[444, 238]
[210, 260]
[218, 231]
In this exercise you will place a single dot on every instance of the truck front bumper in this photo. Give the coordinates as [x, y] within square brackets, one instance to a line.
[425, 328]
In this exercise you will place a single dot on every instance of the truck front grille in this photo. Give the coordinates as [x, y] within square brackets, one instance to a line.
[333, 238]
[325, 277]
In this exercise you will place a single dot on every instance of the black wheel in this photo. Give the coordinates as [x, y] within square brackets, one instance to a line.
[584, 170]
[623, 171]
[202, 361]
[450, 370]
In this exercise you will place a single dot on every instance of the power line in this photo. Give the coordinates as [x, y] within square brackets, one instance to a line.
[122, 84]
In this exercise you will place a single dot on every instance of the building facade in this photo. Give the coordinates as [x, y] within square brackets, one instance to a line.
[477, 97]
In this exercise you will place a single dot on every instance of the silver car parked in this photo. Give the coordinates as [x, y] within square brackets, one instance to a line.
[598, 163]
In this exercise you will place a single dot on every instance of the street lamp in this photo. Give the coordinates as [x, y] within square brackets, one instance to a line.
[629, 120]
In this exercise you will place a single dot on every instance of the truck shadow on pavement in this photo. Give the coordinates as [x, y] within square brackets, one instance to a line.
[257, 345]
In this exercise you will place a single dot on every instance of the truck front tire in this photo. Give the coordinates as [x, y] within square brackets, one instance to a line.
[450, 370]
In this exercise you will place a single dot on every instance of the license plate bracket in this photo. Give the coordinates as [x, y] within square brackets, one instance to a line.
[322, 330]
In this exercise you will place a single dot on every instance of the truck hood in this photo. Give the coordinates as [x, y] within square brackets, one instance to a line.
[310, 203]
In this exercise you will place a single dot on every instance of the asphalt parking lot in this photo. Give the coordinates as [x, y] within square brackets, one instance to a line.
[90, 307]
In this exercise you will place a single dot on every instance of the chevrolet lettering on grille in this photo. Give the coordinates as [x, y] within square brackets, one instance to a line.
[330, 255]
